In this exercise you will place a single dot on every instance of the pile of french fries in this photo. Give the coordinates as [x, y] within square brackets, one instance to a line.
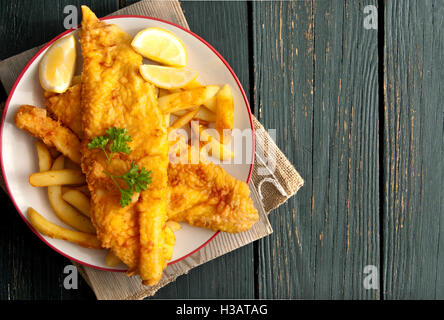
[211, 106]
[69, 195]
[54, 174]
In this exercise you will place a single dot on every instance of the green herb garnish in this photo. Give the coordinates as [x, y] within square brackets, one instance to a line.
[136, 179]
[119, 139]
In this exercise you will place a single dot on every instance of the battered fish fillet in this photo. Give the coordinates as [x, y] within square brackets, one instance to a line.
[203, 195]
[68, 108]
[35, 121]
[113, 94]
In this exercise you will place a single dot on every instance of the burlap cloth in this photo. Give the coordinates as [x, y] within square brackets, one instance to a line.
[271, 184]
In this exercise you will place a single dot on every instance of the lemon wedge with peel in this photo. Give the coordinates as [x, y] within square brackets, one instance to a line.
[167, 77]
[160, 45]
[58, 65]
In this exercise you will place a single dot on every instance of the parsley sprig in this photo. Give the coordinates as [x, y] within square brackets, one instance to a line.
[136, 179]
[119, 139]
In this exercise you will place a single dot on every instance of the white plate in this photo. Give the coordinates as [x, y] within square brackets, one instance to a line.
[19, 159]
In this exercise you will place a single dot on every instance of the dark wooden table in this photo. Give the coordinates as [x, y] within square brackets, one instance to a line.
[359, 112]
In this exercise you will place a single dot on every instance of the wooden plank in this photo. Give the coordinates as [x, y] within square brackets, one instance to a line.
[414, 150]
[316, 82]
[31, 270]
[27, 24]
[283, 80]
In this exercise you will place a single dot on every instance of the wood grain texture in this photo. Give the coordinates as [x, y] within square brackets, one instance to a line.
[27, 23]
[316, 82]
[414, 150]
[169, 10]
[31, 270]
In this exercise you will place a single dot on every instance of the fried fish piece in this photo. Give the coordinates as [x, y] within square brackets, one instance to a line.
[205, 195]
[35, 121]
[66, 106]
[114, 94]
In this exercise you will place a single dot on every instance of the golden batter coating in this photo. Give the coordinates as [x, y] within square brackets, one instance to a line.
[35, 121]
[115, 95]
[205, 195]
[66, 106]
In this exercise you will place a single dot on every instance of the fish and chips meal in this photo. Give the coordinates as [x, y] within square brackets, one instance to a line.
[104, 147]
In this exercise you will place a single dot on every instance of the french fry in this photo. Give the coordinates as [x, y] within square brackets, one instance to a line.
[210, 104]
[186, 99]
[167, 117]
[173, 225]
[44, 156]
[52, 230]
[203, 114]
[64, 211]
[170, 240]
[163, 92]
[56, 177]
[192, 85]
[54, 153]
[176, 90]
[214, 147]
[78, 200]
[194, 154]
[84, 189]
[218, 150]
[183, 120]
[69, 164]
[224, 114]
[112, 260]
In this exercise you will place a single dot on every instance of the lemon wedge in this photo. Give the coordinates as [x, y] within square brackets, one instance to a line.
[160, 45]
[58, 65]
[167, 77]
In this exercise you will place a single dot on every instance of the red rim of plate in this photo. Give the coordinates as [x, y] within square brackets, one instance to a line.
[38, 54]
